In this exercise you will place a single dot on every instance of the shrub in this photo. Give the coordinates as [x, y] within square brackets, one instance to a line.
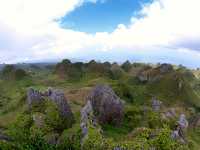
[20, 74]
[95, 141]
[53, 118]
[133, 116]
[153, 119]
[70, 139]
[124, 91]
[126, 66]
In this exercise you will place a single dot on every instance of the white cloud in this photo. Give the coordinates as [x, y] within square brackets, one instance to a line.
[30, 30]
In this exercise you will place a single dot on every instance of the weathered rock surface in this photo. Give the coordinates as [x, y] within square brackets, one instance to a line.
[33, 97]
[179, 132]
[156, 104]
[60, 100]
[103, 106]
[86, 116]
[56, 96]
[107, 106]
[183, 123]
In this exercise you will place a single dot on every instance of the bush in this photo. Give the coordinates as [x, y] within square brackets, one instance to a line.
[164, 141]
[154, 120]
[70, 139]
[9, 72]
[126, 66]
[95, 141]
[116, 72]
[124, 91]
[53, 118]
[133, 117]
[20, 74]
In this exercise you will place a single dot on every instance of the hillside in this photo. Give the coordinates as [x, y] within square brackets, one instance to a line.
[128, 106]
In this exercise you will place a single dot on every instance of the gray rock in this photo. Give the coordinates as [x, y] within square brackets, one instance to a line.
[60, 100]
[103, 106]
[107, 106]
[179, 132]
[156, 104]
[33, 97]
[183, 123]
[86, 116]
[56, 96]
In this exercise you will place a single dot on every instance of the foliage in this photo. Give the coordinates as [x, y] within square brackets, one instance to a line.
[124, 91]
[126, 66]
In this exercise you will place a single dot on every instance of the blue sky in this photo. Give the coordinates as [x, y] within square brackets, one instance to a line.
[102, 16]
[116, 30]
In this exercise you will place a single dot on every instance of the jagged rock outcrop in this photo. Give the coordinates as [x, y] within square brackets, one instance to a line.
[56, 96]
[179, 132]
[60, 100]
[103, 106]
[183, 123]
[33, 97]
[156, 104]
[107, 106]
[86, 118]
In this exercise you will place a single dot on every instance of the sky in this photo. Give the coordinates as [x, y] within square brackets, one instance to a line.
[151, 31]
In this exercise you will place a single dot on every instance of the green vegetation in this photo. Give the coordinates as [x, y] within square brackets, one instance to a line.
[142, 128]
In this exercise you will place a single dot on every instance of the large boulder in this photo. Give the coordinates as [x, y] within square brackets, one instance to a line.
[107, 106]
[156, 104]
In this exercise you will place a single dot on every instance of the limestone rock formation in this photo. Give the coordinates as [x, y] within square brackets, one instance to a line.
[60, 100]
[86, 116]
[156, 104]
[56, 96]
[179, 132]
[183, 123]
[106, 105]
[103, 106]
[33, 97]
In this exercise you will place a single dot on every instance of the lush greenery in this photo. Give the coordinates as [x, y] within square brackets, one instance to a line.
[142, 128]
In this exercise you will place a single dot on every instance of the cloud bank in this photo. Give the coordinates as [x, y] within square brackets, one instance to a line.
[168, 31]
